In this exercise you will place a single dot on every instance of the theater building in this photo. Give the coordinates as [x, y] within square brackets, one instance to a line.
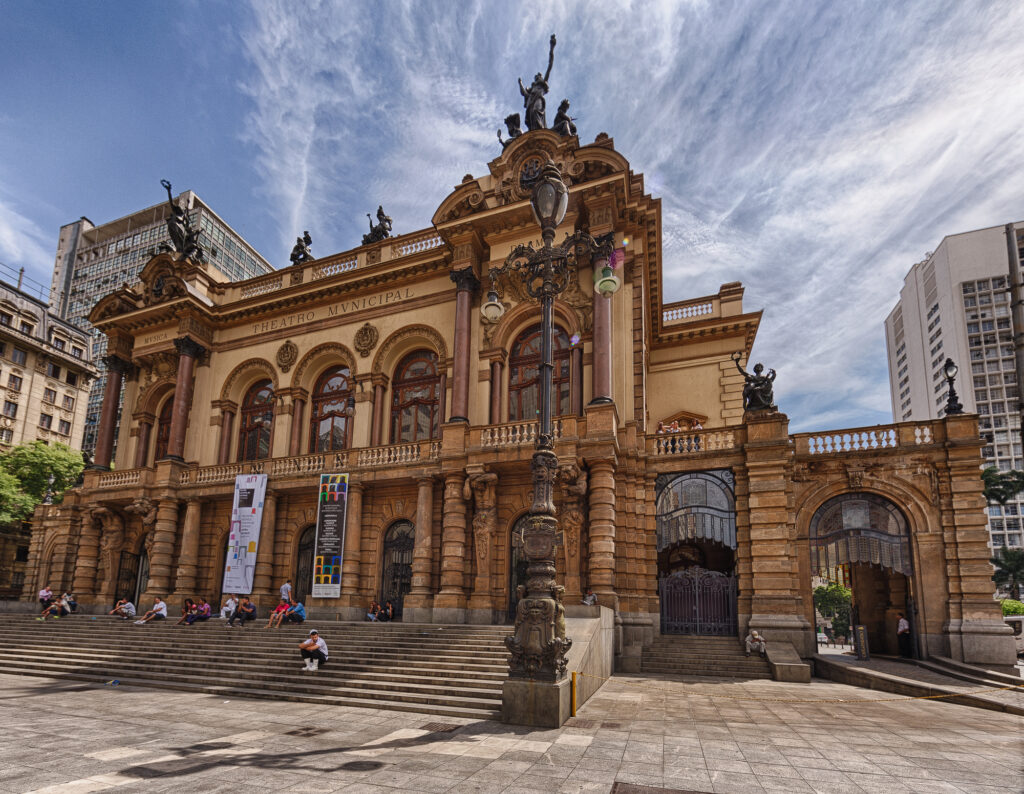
[378, 363]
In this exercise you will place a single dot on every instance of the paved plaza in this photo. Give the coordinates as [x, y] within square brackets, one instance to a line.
[68, 737]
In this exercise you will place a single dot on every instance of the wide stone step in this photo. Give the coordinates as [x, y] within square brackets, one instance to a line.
[451, 707]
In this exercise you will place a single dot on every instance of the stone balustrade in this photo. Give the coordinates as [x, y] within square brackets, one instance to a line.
[905, 435]
[684, 311]
[120, 479]
[261, 286]
[332, 268]
[403, 246]
[692, 442]
[516, 434]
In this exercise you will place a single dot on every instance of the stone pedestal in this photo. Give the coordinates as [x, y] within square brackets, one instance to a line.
[536, 703]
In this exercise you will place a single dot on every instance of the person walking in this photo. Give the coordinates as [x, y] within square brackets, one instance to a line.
[903, 636]
[314, 651]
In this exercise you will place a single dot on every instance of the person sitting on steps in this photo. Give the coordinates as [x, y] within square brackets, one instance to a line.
[246, 611]
[274, 621]
[590, 599]
[296, 613]
[374, 613]
[314, 651]
[58, 609]
[754, 642]
[124, 608]
[229, 606]
[187, 608]
[158, 612]
[387, 613]
[200, 613]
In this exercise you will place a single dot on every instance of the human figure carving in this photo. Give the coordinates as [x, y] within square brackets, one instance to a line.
[380, 230]
[145, 508]
[563, 121]
[514, 129]
[184, 238]
[300, 253]
[533, 97]
[757, 390]
[483, 489]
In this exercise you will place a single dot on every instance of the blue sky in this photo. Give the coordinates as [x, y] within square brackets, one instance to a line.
[812, 150]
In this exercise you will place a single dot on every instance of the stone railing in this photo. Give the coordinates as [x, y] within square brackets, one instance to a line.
[261, 286]
[865, 439]
[403, 246]
[684, 311]
[333, 268]
[695, 442]
[120, 479]
[516, 434]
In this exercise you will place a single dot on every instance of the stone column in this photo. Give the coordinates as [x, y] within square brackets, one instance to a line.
[417, 607]
[442, 397]
[467, 284]
[576, 381]
[497, 368]
[601, 551]
[142, 440]
[295, 442]
[227, 421]
[380, 383]
[84, 581]
[161, 555]
[116, 367]
[188, 555]
[450, 602]
[484, 488]
[602, 366]
[353, 545]
[263, 577]
[188, 352]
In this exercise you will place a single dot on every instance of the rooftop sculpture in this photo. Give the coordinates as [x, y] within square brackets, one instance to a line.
[184, 238]
[757, 390]
[300, 252]
[381, 230]
[533, 97]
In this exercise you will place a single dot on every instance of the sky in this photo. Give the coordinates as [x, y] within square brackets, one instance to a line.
[813, 151]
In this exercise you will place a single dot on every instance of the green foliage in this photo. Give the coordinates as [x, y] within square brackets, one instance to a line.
[25, 474]
[14, 504]
[1009, 571]
[1002, 486]
[1011, 607]
[833, 601]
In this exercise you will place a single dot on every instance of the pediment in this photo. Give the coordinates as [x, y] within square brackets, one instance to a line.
[115, 304]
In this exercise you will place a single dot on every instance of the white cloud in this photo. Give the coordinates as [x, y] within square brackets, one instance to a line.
[24, 244]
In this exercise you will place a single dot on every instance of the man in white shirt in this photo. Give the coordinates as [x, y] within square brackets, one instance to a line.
[228, 607]
[158, 612]
[903, 635]
[124, 608]
[286, 592]
[314, 651]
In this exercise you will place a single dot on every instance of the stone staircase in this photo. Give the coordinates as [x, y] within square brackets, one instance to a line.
[720, 657]
[448, 670]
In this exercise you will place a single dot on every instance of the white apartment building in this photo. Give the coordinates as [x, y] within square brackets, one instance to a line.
[93, 261]
[955, 304]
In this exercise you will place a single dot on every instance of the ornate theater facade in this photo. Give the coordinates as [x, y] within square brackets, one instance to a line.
[377, 363]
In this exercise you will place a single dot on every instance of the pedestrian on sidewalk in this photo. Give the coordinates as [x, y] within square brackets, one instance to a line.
[314, 651]
[755, 642]
[158, 612]
[903, 636]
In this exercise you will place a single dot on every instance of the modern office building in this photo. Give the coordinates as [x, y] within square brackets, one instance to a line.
[954, 304]
[93, 260]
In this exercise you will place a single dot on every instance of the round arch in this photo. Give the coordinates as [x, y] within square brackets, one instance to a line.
[150, 399]
[397, 544]
[405, 340]
[524, 315]
[313, 363]
[244, 375]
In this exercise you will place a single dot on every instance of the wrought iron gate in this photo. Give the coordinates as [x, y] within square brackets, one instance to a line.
[698, 601]
[132, 577]
[304, 568]
[397, 568]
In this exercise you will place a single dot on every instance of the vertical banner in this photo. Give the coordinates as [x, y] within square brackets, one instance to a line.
[244, 537]
[332, 501]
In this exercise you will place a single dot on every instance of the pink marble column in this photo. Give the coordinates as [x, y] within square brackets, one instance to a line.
[379, 386]
[227, 419]
[602, 369]
[467, 283]
[142, 442]
[188, 352]
[497, 369]
[295, 442]
[116, 367]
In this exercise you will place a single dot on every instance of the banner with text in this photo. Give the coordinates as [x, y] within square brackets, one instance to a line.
[330, 535]
[244, 537]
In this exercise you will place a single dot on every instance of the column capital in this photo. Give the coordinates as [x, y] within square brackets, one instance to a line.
[116, 363]
[187, 346]
[465, 280]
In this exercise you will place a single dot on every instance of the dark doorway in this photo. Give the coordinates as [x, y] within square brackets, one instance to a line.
[132, 577]
[303, 582]
[517, 566]
[396, 570]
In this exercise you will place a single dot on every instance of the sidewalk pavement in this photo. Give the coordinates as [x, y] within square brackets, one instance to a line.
[67, 737]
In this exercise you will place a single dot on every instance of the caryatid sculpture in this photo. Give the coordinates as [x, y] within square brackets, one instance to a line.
[533, 97]
[757, 389]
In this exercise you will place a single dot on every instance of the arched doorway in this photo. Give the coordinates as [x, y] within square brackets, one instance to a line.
[696, 525]
[862, 541]
[396, 566]
[302, 584]
[517, 564]
[133, 577]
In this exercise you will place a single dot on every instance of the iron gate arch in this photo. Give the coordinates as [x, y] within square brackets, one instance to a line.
[304, 564]
[697, 507]
[396, 572]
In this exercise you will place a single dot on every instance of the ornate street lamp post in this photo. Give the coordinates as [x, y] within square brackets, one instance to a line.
[539, 643]
[953, 406]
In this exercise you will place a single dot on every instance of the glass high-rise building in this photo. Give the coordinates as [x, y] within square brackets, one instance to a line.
[93, 261]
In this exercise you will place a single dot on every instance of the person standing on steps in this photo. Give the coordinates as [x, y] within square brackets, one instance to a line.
[314, 651]
[903, 635]
[286, 591]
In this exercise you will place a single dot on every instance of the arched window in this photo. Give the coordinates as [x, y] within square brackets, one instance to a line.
[524, 375]
[256, 422]
[415, 394]
[328, 420]
[859, 528]
[163, 428]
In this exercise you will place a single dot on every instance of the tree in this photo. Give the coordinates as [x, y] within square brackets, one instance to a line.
[26, 471]
[833, 601]
[1009, 570]
[1011, 607]
[1002, 486]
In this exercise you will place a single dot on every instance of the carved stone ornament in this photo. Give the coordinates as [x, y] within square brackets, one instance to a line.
[287, 355]
[145, 508]
[366, 339]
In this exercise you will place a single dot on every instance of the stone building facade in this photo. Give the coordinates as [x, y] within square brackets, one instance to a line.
[376, 362]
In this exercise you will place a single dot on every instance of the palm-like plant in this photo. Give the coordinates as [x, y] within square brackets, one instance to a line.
[1009, 572]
